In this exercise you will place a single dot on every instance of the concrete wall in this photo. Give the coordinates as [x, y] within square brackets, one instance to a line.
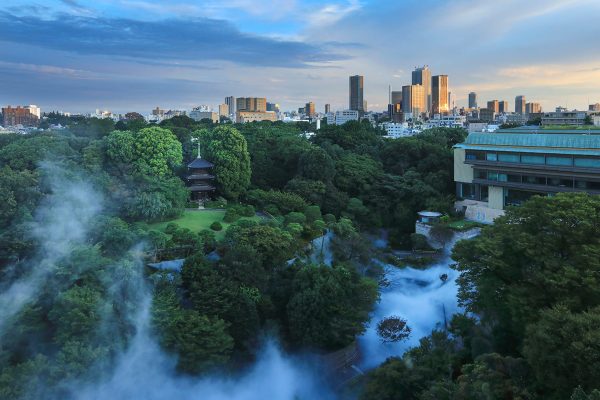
[496, 198]
[462, 172]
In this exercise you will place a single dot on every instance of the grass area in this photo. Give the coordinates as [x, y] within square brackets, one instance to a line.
[463, 225]
[197, 220]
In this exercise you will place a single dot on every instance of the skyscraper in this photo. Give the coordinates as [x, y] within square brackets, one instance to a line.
[472, 100]
[494, 105]
[413, 100]
[357, 93]
[439, 94]
[230, 101]
[520, 104]
[309, 109]
[533, 108]
[256, 104]
[503, 106]
[327, 108]
[422, 76]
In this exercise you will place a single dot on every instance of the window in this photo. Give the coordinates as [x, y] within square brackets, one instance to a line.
[480, 174]
[491, 156]
[492, 176]
[502, 178]
[506, 157]
[560, 182]
[567, 161]
[587, 162]
[484, 195]
[587, 185]
[514, 178]
[474, 155]
[530, 159]
[534, 180]
[466, 191]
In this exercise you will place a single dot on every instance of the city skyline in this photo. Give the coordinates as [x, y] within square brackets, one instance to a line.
[287, 56]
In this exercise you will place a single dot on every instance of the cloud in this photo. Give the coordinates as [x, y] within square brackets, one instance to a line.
[197, 39]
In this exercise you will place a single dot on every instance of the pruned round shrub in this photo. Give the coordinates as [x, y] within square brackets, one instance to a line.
[231, 216]
[216, 226]
[171, 228]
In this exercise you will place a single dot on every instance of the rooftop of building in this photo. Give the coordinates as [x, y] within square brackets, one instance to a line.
[200, 163]
[576, 143]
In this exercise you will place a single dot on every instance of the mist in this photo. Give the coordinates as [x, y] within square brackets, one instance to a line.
[61, 222]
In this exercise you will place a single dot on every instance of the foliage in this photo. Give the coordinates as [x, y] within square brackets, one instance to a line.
[151, 151]
[393, 329]
[227, 149]
[216, 226]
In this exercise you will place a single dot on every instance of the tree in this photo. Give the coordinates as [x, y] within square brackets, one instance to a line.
[329, 306]
[393, 329]
[543, 253]
[227, 149]
[202, 343]
[563, 349]
[151, 151]
[316, 164]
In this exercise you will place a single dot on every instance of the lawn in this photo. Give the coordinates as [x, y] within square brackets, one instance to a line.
[197, 220]
[463, 225]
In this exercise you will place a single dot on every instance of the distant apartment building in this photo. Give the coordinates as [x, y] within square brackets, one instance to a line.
[252, 116]
[223, 110]
[494, 105]
[25, 116]
[356, 93]
[341, 117]
[520, 104]
[533, 108]
[422, 76]
[439, 94]
[564, 117]
[496, 170]
[503, 106]
[200, 113]
[273, 107]
[472, 100]
[327, 108]
[447, 121]
[252, 104]
[396, 130]
[487, 114]
[158, 112]
[594, 107]
[309, 109]
[413, 101]
[231, 103]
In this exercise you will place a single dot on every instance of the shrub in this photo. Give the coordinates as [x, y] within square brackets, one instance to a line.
[295, 217]
[231, 216]
[329, 218]
[247, 211]
[216, 226]
[171, 228]
[419, 242]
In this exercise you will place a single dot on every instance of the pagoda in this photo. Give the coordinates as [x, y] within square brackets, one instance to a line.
[200, 178]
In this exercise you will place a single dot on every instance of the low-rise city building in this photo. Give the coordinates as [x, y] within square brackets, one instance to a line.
[27, 116]
[341, 117]
[496, 170]
[564, 117]
[251, 116]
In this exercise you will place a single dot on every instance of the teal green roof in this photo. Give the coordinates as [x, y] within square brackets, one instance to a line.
[534, 143]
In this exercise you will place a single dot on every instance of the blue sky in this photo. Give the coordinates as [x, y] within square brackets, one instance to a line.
[125, 55]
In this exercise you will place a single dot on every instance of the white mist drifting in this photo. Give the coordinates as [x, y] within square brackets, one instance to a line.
[62, 221]
[420, 297]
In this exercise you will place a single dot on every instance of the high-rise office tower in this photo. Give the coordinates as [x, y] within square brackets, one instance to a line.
[439, 94]
[309, 109]
[357, 93]
[230, 101]
[494, 105]
[255, 104]
[327, 108]
[520, 104]
[503, 106]
[422, 76]
[533, 108]
[472, 100]
[397, 97]
[223, 110]
[413, 100]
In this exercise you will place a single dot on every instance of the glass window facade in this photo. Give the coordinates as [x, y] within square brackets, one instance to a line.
[587, 162]
[551, 160]
[531, 159]
[507, 157]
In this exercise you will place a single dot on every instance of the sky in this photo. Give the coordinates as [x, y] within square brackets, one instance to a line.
[134, 55]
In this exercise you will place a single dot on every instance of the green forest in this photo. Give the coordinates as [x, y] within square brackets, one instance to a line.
[87, 208]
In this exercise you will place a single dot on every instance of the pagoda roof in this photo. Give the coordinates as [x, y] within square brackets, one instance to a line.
[200, 163]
